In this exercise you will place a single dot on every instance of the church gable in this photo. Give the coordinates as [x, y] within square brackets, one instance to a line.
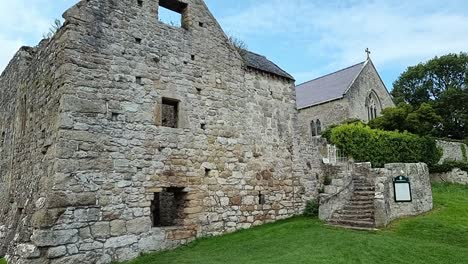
[368, 95]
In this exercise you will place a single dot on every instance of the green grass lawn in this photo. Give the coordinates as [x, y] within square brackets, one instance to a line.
[437, 237]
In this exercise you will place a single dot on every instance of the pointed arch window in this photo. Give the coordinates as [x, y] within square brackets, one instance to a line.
[313, 128]
[373, 106]
[318, 124]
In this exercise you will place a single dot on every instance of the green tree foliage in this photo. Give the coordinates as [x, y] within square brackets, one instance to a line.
[379, 147]
[441, 82]
[422, 121]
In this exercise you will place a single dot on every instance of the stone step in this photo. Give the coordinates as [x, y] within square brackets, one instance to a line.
[362, 198]
[359, 217]
[364, 193]
[354, 227]
[359, 207]
[361, 203]
[354, 223]
[355, 212]
[364, 189]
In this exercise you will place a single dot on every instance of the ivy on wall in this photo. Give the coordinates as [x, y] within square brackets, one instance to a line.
[379, 147]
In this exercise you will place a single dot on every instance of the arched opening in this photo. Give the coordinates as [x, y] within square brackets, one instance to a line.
[313, 128]
[373, 106]
[319, 127]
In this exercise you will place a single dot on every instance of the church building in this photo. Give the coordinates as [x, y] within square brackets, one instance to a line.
[356, 92]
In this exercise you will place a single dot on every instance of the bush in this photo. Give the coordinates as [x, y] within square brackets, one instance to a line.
[365, 144]
[448, 166]
[311, 209]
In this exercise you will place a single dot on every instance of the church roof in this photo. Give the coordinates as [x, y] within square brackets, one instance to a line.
[259, 62]
[327, 88]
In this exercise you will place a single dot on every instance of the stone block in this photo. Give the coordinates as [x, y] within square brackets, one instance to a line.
[139, 225]
[118, 228]
[100, 230]
[122, 241]
[151, 243]
[56, 252]
[28, 251]
[44, 238]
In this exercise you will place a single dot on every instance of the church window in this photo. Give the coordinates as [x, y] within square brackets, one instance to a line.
[313, 128]
[167, 207]
[372, 106]
[2, 139]
[319, 127]
[172, 12]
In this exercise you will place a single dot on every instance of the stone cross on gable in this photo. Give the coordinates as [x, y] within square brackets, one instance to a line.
[368, 53]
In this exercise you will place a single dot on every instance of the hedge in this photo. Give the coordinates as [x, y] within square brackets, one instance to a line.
[379, 147]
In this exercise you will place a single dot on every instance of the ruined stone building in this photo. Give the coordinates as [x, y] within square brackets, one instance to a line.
[122, 134]
[356, 92]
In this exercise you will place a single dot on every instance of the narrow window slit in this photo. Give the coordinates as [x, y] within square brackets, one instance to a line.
[115, 116]
[261, 198]
[139, 80]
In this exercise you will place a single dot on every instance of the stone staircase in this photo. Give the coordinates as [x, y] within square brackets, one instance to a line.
[358, 213]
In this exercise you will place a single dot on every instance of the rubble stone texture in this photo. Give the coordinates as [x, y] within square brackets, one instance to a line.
[87, 141]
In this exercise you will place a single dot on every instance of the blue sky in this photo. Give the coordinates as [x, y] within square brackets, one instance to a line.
[308, 38]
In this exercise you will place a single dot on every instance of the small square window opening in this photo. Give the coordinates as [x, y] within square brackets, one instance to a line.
[170, 113]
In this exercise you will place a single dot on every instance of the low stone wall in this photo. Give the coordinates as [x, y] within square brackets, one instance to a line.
[386, 209]
[452, 151]
[456, 176]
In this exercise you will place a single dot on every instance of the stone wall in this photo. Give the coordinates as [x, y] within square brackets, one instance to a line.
[330, 113]
[456, 176]
[30, 89]
[386, 209]
[367, 82]
[453, 151]
[235, 152]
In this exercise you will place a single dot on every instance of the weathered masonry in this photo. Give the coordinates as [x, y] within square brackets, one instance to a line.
[123, 134]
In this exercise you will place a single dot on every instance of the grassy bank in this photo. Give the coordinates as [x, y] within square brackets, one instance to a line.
[437, 237]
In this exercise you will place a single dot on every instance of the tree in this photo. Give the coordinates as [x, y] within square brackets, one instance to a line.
[441, 82]
[422, 121]
[239, 44]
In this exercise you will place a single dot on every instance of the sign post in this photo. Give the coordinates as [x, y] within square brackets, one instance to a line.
[402, 188]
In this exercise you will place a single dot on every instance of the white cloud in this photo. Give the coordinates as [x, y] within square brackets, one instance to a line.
[397, 32]
[23, 23]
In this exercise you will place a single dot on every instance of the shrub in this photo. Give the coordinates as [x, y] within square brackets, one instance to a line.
[327, 180]
[365, 144]
[448, 166]
[311, 209]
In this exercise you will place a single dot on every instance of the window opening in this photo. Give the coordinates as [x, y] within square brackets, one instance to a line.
[313, 128]
[171, 12]
[319, 127]
[167, 207]
[261, 198]
[170, 113]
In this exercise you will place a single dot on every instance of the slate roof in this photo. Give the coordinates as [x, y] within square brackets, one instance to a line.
[259, 62]
[327, 88]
